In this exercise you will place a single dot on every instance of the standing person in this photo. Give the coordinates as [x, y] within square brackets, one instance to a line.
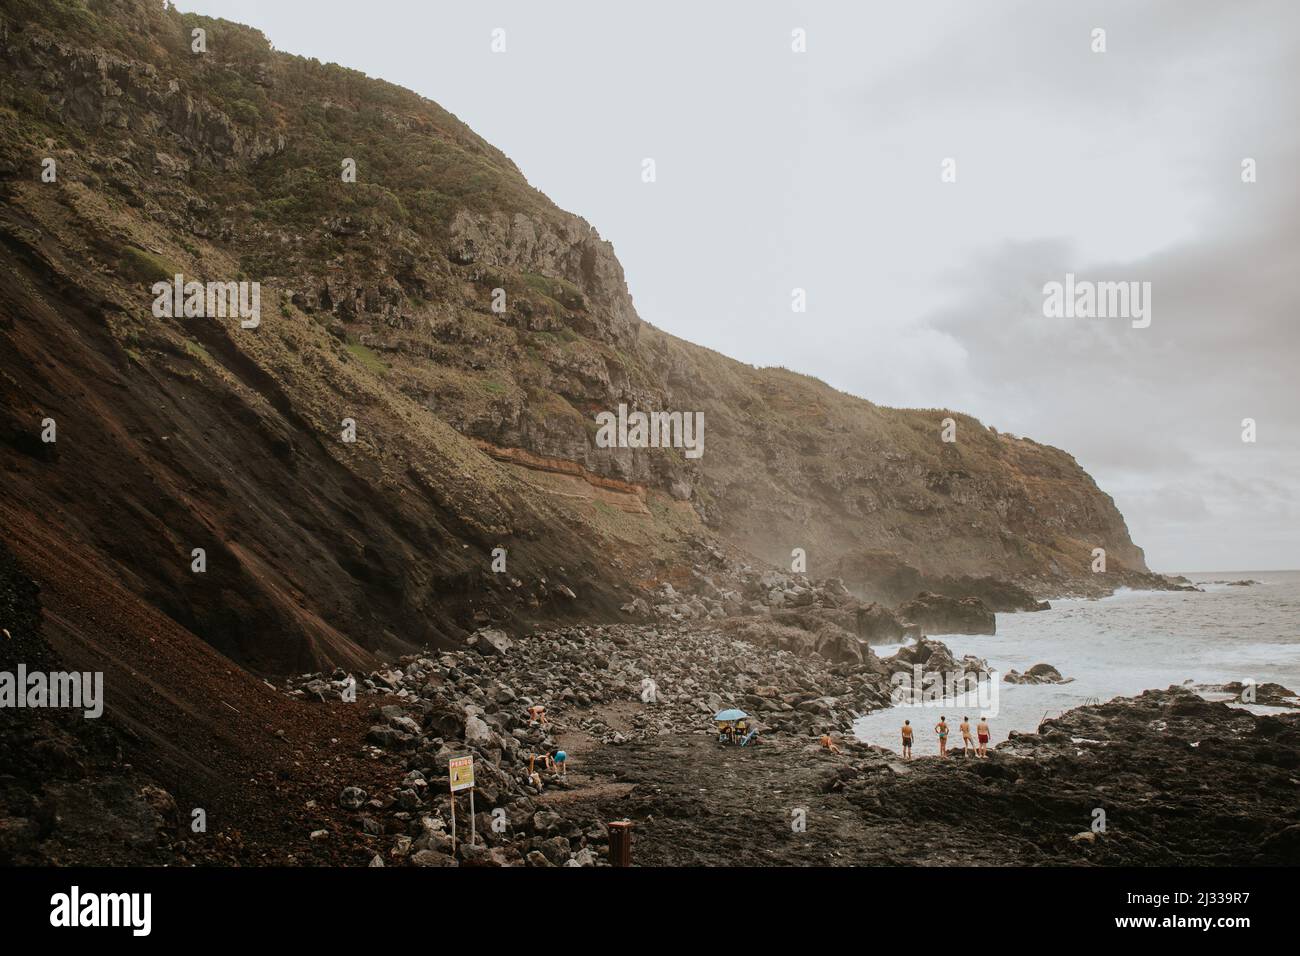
[560, 758]
[967, 745]
[537, 715]
[982, 730]
[907, 740]
[941, 728]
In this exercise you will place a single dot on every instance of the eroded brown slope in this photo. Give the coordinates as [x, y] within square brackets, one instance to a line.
[183, 728]
[317, 550]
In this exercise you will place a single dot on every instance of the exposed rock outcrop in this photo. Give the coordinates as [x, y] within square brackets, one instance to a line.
[1267, 693]
[1038, 674]
[937, 614]
[933, 656]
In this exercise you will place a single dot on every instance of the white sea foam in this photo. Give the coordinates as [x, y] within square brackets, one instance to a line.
[1128, 643]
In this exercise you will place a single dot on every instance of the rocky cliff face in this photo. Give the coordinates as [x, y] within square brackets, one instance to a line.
[468, 329]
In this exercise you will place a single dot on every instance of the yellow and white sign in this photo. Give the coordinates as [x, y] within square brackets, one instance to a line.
[461, 770]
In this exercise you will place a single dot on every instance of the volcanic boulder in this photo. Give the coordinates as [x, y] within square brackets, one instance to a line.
[939, 614]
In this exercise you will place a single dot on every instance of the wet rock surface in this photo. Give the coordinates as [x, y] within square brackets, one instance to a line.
[1179, 780]
[940, 614]
[1268, 693]
[1038, 674]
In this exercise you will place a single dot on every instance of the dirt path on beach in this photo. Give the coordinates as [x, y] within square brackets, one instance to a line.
[698, 802]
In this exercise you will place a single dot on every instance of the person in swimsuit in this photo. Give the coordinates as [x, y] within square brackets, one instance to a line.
[907, 740]
[966, 743]
[828, 744]
[941, 728]
[982, 731]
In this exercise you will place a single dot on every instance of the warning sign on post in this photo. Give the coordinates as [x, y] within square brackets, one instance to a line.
[461, 770]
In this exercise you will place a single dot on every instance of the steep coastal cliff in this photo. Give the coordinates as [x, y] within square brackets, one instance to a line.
[474, 426]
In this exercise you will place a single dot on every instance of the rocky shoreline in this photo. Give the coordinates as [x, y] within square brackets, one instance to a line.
[696, 801]
[721, 586]
[1178, 778]
[351, 769]
[429, 709]
[1161, 779]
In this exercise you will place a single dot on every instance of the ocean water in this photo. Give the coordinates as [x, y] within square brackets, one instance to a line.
[1121, 646]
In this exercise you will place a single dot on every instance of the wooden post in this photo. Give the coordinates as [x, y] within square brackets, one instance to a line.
[620, 843]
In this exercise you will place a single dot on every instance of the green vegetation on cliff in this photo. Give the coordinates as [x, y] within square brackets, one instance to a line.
[378, 306]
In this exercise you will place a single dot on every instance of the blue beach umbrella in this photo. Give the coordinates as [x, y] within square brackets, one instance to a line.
[732, 714]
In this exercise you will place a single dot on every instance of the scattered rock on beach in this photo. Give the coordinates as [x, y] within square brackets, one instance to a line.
[1038, 674]
[939, 614]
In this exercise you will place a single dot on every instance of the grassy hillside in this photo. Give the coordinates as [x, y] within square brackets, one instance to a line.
[377, 306]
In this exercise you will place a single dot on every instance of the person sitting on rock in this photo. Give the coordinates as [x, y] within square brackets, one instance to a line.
[828, 744]
[982, 730]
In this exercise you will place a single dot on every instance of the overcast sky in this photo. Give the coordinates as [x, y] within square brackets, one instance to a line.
[821, 170]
